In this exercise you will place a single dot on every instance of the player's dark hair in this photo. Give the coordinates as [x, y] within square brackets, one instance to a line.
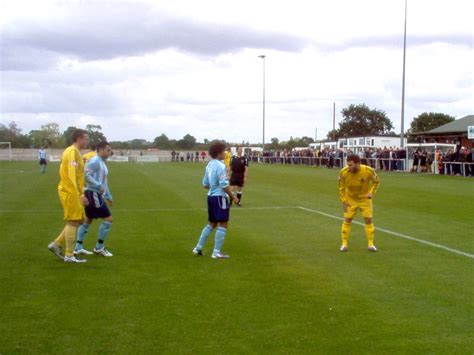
[215, 149]
[354, 158]
[78, 133]
[102, 145]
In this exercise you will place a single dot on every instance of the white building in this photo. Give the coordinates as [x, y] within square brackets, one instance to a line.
[357, 144]
[323, 145]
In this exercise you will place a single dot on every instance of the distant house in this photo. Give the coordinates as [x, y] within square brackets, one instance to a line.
[454, 133]
[361, 143]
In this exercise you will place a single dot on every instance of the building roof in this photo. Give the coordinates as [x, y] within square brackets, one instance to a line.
[457, 126]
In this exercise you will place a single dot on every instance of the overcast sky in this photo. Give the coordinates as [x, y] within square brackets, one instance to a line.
[144, 68]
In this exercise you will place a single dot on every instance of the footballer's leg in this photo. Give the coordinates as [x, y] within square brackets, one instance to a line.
[70, 239]
[370, 234]
[104, 230]
[240, 191]
[56, 245]
[366, 210]
[81, 235]
[219, 241]
[222, 215]
[73, 214]
[349, 214]
[205, 233]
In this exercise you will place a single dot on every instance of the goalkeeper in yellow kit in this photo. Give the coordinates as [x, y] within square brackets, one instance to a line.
[357, 186]
[71, 195]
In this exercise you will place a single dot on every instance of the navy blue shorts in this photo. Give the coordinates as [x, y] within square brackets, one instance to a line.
[97, 208]
[43, 162]
[218, 208]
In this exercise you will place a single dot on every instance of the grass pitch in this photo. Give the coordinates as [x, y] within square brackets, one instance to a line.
[286, 288]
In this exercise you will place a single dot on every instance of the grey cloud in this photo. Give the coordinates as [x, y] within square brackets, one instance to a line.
[396, 40]
[104, 31]
[100, 32]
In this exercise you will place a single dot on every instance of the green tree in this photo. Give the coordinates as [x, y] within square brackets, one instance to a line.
[67, 135]
[138, 144]
[332, 134]
[95, 134]
[360, 120]
[12, 133]
[428, 121]
[48, 136]
[162, 142]
[306, 141]
[187, 142]
[274, 143]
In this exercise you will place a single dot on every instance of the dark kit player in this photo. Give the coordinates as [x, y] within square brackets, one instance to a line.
[238, 167]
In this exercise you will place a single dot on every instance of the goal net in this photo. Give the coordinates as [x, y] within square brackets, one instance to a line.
[5, 151]
[427, 157]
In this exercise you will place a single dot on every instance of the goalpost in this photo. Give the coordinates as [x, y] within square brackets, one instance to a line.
[6, 146]
[430, 148]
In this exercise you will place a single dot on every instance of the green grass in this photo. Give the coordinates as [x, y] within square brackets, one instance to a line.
[286, 288]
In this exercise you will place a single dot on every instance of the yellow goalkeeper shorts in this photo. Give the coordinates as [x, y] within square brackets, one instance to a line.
[364, 206]
[73, 209]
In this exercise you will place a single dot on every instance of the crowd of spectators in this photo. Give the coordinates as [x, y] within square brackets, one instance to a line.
[383, 159]
[457, 161]
[188, 156]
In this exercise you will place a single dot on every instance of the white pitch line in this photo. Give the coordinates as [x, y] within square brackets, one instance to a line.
[400, 235]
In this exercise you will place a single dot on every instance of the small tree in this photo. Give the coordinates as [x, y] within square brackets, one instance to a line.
[360, 120]
[67, 135]
[187, 142]
[162, 142]
[49, 135]
[428, 121]
[95, 134]
[12, 133]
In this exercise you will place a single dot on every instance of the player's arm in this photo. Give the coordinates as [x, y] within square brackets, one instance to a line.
[224, 183]
[246, 164]
[205, 181]
[342, 188]
[343, 192]
[375, 184]
[107, 194]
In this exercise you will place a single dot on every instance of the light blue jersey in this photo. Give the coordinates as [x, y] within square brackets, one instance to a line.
[216, 178]
[96, 176]
[41, 154]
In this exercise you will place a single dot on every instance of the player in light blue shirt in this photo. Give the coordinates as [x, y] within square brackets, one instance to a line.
[42, 160]
[218, 201]
[98, 195]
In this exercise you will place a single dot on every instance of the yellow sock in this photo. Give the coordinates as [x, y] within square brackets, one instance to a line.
[370, 233]
[61, 237]
[345, 231]
[70, 237]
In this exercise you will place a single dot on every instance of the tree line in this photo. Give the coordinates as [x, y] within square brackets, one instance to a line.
[358, 120]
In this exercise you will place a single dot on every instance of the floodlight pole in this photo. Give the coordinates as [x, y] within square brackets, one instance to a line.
[263, 129]
[334, 121]
[402, 121]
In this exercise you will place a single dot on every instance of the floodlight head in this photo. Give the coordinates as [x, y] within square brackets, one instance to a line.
[262, 56]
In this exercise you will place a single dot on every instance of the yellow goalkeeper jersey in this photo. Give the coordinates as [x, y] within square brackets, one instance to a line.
[88, 156]
[71, 172]
[355, 187]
